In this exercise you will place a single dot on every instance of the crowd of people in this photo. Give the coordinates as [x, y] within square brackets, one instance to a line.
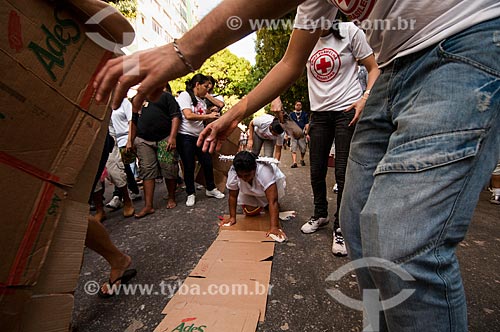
[425, 141]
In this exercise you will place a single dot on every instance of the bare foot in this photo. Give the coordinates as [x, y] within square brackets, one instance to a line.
[144, 212]
[100, 216]
[128, 210]
[171, 203]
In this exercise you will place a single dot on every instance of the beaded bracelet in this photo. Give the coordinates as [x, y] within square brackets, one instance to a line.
[182, 57]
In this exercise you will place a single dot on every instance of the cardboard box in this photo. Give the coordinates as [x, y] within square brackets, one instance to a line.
[229, 147]
[51, 138]
[231, 282]
[207, 318]
[244, 223]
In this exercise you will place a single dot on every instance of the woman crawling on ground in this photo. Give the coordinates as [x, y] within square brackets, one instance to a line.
[255, 185]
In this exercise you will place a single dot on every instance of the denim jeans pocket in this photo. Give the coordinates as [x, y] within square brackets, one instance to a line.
[478, 46]
[431, 151]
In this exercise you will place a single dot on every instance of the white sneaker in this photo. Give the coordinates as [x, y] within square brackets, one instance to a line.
[338, 246]
[214, 193]
[313, 224]
[191, 199]
[115, 203]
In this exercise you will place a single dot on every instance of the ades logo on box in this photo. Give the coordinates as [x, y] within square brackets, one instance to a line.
[51, 52]
[183, 327]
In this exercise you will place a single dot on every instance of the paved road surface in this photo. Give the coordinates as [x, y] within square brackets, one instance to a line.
[167, 245]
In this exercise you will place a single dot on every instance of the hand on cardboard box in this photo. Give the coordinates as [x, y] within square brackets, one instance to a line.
[277, 234]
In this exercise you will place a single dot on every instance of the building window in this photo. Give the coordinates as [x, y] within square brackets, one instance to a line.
[157, 27]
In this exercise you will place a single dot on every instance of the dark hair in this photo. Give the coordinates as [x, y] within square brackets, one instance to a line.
[190, 84]
[211, 79]
[335, 30]
[245, 161]
[168, 88]
[276, 126]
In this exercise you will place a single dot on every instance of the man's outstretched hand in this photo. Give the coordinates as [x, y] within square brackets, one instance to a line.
[214, 135]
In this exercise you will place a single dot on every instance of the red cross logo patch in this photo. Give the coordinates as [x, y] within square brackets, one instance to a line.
[325, 64]
[355, 9]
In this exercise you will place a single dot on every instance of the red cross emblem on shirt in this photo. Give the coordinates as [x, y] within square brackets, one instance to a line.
[347, 2]
[324, 65]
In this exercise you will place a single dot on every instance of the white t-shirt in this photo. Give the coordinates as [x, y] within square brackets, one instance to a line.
[191, 127]
[254, 194]
[120, 119]
[261, 127]
[332, 70]
[410, 26]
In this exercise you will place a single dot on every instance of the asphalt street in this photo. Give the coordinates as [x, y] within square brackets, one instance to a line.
[167, 245]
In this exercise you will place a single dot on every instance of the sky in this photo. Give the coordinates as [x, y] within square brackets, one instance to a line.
[244, 48]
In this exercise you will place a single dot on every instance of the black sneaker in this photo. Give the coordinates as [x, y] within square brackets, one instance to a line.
[302, 163]
[294, 165]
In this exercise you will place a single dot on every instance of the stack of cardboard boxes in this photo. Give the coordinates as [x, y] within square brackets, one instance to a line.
[52, 135]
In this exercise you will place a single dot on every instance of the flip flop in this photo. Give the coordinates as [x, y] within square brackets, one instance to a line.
[124, 279]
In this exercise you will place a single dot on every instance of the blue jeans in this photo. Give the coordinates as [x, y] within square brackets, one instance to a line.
[186, 146]
[422, 151]
[324, 128]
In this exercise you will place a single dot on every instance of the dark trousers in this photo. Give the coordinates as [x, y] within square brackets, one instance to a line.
[109, 143]
[324, 128]
[131, 183]
[186, 145]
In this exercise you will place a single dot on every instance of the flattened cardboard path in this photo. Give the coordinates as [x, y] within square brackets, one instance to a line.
[227, 290]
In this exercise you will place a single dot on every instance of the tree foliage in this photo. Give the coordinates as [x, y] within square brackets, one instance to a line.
[270, 47]
[127, 7]
[230, 73]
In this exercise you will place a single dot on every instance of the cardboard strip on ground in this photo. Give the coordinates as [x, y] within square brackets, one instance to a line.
[240, 251]
[236, 294]
[243, 236]
[235, 270]
[209, 318]
[234, 274]
[243, 223]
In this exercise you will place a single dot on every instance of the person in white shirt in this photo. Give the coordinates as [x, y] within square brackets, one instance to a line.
[425, 144]
[115, 166]
[255, 185]
[215, 102]
[243, 141]
[266, 131]
[337, 100]
[194, 112]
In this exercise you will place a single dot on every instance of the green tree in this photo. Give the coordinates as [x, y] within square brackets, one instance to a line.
[127, 7]
[270, 47]
[229, 71]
